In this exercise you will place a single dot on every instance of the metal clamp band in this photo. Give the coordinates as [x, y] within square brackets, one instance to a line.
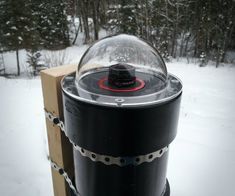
[121, 161]
[62, 172]
[106, 159]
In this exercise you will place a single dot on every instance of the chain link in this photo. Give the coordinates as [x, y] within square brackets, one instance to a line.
[63, 173]
[55, 120]
[106, 159]
[121, 161]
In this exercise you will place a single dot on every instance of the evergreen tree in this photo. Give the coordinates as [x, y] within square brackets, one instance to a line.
[14, 26]
[127, 17]
[122, 17]
[52, 23]
[33, 59]
[175, 27]
[213, 27]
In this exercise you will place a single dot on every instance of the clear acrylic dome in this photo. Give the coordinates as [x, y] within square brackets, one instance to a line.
[121, 70]
[122, 49]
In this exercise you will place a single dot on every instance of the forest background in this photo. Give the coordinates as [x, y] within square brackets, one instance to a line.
[177, 28]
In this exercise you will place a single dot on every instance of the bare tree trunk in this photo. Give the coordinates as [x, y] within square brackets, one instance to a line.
[182, 44]
[217, 58]
[186, 46]
[84, 8]
[167, 25]
[196, 45]
[146, 20]
[76, 35]
[228, 35]
[104, 5]
[173, 43]
[86, 30]
[197, 27]
[80, 24]
[18, 61]
[96, 5]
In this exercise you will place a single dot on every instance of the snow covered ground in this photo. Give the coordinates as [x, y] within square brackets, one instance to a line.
[202, 158]
[24, 168]
[50, 58]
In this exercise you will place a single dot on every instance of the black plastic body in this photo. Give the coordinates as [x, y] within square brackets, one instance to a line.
[98, 179]
[120, 132]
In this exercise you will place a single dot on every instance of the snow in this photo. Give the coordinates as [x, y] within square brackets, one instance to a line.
[70, 55]
[51, 58]
[24, 167]
[13, 28]
[201, 160]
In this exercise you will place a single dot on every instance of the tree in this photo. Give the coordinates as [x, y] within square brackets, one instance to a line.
[83, 8]
[33, 59]
[95, 17]
[14, 26]
[127, 17]
[213, 28]
[52, 23]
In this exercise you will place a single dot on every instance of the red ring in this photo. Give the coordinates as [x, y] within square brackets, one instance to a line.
[103, 86]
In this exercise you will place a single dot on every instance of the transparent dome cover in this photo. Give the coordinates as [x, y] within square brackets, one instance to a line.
[125, 49]
[121, 70]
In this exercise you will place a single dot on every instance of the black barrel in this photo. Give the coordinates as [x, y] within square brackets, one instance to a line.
[125, 133]
[121, 111]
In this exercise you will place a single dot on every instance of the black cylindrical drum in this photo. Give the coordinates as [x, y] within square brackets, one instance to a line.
[121, 111]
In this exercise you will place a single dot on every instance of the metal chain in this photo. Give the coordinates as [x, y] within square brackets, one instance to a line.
[60, 170]
[55, 120]
[121, 161]
[106, 159]
[63, 173]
